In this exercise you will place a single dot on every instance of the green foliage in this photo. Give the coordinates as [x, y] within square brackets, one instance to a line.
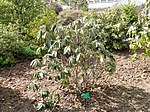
[69, 16]
[33, 86]
[47, 18]
[113, 24]
[6, 12]
[6, 59]
[76, 53]
[129, 13]
[112, 28]
[27, 49]
[19, 20]
[8, 44]
[50, 100]
[20, 13]
[11, 46]
[141, 32]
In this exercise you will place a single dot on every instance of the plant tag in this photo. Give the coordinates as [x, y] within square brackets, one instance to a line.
[86, 95]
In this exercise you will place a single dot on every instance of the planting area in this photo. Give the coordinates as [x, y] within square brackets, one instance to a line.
[74, 60]
[127, 90]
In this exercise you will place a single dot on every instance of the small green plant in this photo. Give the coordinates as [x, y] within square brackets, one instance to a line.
[33, 86]
[50, 100]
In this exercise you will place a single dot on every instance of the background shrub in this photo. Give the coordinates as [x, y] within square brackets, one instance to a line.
[9, 44]
[11, 47]
[140, 33]
[47, 18]
[20, 12]
[129, 13]
[113, 28]
[115, 23]
[69, 16]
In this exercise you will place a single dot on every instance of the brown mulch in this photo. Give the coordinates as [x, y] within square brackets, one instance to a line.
[128, 90]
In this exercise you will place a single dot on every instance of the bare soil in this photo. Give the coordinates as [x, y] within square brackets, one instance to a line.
[128, 90]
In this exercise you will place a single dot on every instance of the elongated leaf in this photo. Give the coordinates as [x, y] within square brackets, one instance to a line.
[67, 50]
[78, 57]
[40, 106]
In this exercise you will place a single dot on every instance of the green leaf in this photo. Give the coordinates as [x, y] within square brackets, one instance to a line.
[102, 58]
[58, 96]
[63, 74]
[35, 63]
[71, 61]
[78, 57]
[45, 93]
[54, 53]
[39, 51]
[67, 50]
[33, 86]
[65, 83]
[40, 106]
[40, 75]
[52, 98]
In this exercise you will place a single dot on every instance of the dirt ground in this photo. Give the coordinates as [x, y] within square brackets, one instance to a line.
[128, 90]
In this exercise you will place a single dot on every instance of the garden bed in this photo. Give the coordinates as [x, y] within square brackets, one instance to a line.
[127, 90]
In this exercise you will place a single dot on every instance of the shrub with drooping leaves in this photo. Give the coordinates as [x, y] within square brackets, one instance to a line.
[75, 53]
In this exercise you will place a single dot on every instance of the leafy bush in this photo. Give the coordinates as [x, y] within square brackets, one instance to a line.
[8, 44]
[20, 12]
[69, 16]
[140, 32]
[129, 13]
[27, 49]
[112, 28]
[7, 59]
[114, 24]
[48, 18]
[75, 52]
[11, 46]
[76, 4]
